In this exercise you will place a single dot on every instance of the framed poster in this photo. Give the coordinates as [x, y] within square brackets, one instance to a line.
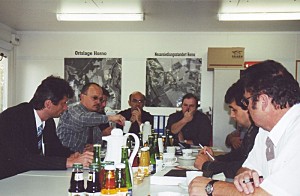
[169, 79]
[298, 71]
[106, 72]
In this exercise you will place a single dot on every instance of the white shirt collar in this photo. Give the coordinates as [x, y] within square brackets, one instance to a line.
[38, 120]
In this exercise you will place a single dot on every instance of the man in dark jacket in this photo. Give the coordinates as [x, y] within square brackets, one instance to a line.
[135, 114]
[190, 126]
[232, 161]
[28, 139]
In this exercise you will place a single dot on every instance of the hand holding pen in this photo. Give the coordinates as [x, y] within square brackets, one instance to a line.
[210, 156]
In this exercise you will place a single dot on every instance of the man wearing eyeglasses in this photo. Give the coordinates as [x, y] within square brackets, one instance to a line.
[232, 161]
[272, 97]
[75, 123]
[135, 113]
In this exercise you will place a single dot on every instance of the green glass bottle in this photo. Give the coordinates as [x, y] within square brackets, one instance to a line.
[128, 169]
[121, 179]
[97, 152]
[167, 143]
[152, 155]
[156, 148]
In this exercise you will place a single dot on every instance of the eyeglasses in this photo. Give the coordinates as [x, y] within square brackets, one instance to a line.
[138, 101]
[245, 101]
[95, 98]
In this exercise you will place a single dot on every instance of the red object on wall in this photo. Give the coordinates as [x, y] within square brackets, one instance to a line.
[250, 63]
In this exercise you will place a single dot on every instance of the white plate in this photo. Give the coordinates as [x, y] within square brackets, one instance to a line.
[183, 185]
[187, 158]
[172, 165]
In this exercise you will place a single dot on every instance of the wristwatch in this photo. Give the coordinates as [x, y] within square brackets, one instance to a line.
[209, 188]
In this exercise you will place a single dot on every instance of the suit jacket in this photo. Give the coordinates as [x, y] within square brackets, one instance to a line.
[231, 162]
[18, 143]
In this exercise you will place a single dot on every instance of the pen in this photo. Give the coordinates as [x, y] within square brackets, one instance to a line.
[182, 146]
[251, 179]
[210, 156]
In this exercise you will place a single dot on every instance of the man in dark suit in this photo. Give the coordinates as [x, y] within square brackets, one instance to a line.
[22, 146]
[231, 162]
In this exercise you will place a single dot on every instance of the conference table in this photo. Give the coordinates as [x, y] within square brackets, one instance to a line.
[57, 182]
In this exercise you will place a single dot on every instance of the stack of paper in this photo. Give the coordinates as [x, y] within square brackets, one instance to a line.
[171, 178]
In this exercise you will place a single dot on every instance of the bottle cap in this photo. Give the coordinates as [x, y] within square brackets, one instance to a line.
[97, 145]
[78, 165]
[94, 166]
[145, 149]
[107, 163]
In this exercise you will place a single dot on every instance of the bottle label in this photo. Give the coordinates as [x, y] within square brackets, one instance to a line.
[144, 170]
[78, 177]
[91, 177]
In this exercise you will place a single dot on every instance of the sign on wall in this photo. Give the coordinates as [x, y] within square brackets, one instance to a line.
[169, 79]
[104, 71]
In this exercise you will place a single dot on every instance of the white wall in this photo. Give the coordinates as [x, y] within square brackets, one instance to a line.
[8, 49]
[42, 53]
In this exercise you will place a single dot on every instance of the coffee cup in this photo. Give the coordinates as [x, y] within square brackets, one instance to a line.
[169, 158]
[186, 153]
[171, 149]
[127, 126]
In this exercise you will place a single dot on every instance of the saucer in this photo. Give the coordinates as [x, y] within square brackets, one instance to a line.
[187, 158]
[171, 165]
[183, 185]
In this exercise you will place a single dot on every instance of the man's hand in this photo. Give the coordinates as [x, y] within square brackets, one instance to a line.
[188, 116]
[242, 181]
[118, 118]
[202, 157]
[85, 158]
[180, 136]
[197, 186]
[136, 115]
[235, 142]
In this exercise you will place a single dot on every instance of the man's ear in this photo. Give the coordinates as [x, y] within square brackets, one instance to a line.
[48, 103]
[265, 101]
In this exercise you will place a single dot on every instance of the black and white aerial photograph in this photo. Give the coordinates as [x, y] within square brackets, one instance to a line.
[169, 79]
[104, 71]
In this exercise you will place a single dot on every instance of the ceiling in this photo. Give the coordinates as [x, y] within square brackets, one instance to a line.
[160, 15]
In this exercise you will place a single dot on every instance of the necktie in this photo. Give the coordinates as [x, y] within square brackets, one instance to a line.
[39, 136]
[270, 149]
